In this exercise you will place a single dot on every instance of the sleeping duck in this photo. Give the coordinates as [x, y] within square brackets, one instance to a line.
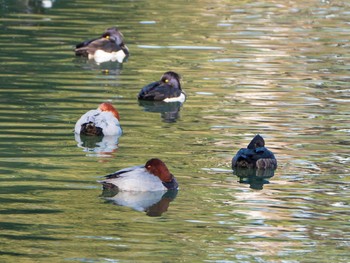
[103, 121]
[256, 155]
[167, 89]
[108, 47]
[153, 176]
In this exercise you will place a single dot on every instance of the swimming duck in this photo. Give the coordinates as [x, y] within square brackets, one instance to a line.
[256, 155]
[102, 121]
[109, 47]
[167, 89]
[153, 176]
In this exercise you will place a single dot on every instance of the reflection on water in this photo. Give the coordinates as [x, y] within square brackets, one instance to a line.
[154, 203]
[256, 178]
[109, 67]
[30, 6]
[98, 145]
[169, 111]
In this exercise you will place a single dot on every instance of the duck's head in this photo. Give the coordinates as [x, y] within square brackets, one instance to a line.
[158, 168]
[113, 34]
[257, 142]
[106, 106]
[171, 78]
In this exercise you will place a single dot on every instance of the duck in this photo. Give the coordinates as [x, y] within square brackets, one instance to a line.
[108, 47]
[103, 121]
[167, 89]
[153, 176]
[256, 155]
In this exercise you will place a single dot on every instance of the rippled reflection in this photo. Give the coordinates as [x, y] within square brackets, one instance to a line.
[279, 68]
[108, 68]
[256, 178]
[31, 6]
[97, 145]
[154, 203]
[169, 111]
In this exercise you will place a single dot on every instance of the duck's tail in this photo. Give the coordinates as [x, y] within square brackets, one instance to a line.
[89, 128]
[266, 163]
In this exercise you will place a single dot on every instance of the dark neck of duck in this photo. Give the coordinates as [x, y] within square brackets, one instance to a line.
[172, 184]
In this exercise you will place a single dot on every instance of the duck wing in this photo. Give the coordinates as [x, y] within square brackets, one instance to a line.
[123, 172]
[85, 43]
[158, 91]
[243, 154]
[90, 47]
[263, 152]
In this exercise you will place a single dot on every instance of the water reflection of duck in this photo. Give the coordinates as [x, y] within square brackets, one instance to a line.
[169, 110]
[167, 89]
[106, 68]
[153, 176]
[47, 3]
[256, 155]
[154, 203]
[100, 145]
[109, 47]
[29, 6]
[256, 178]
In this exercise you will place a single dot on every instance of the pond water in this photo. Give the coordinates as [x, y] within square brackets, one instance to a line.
[277, 68]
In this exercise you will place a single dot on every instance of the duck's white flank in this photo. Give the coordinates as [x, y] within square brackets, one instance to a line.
[101, 56]
[181, 98]
[136, 179]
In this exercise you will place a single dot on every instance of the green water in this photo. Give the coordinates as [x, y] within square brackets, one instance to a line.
[276, 68]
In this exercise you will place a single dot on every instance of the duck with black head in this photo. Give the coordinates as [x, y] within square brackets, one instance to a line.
[256, 155]
[167, 89]
[108, 47]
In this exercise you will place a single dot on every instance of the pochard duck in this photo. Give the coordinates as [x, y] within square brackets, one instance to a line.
[153, 176]
[167, 89]
[102, 121]
[256, 155]
[108, 47]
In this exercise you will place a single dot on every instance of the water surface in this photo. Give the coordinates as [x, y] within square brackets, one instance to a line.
[275, 68]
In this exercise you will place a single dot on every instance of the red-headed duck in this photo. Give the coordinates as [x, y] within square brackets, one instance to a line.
[102, 121]
[153, 176]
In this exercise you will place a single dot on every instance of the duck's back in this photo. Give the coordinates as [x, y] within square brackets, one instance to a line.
[135, 179]
[89, 48]
[102, 119]
[254, 158]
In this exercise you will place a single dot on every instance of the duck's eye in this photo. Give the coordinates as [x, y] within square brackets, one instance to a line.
[107, 37]
[166, 80]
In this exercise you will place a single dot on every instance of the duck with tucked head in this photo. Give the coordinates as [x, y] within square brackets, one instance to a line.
[256, 155]
[167, 89]
[102, 121]
[108, 47]
[153, 176]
